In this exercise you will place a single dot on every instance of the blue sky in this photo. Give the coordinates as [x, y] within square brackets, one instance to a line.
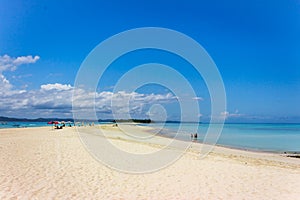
[255, 45]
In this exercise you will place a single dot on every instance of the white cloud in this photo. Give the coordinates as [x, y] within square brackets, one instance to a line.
[4, 84]
[198, 98]
[7, 88]
[55, 100]
[120, 103]
[8, 63]
[227, 115]
[11, 63]
[56, 86]
[25, 60]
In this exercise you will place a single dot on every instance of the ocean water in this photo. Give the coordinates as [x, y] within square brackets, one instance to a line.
[260, 137]
[23, 124]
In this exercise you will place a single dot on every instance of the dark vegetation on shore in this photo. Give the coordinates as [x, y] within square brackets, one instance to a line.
[146, 121]
[294, 156]
[9, 119]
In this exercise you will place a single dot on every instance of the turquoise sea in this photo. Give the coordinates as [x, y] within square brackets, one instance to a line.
[23, 124]
[259, 137]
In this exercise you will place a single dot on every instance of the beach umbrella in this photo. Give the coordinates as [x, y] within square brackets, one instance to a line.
[51, 122]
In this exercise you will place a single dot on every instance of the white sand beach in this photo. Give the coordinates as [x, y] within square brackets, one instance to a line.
[42, 163]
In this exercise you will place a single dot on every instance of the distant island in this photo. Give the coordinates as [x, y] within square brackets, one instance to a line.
[9, 119]
[144, 121]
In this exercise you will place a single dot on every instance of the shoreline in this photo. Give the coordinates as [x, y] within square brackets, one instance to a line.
[219, 149]
[283, 153]
[196, 147]
[260, 154]
[288, 154]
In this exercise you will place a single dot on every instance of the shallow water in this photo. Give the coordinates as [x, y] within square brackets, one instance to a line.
[262, 137]
[23, 124]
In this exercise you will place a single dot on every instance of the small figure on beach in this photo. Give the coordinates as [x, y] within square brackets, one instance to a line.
[194, 136]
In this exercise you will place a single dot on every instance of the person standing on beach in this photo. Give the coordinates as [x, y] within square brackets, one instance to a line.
[194, 136]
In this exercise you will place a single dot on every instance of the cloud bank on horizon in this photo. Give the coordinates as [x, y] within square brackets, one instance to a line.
[55, 100]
